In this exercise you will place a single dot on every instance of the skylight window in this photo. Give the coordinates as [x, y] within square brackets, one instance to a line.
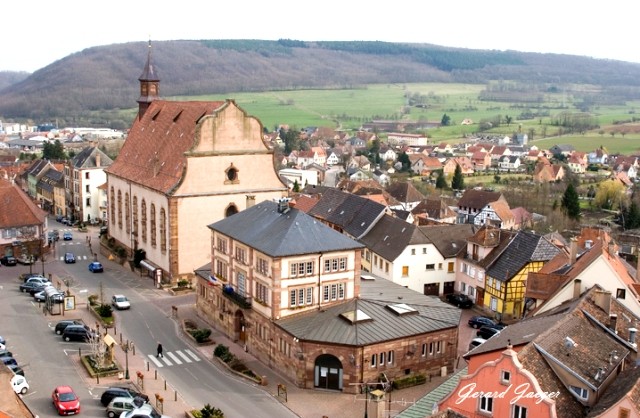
[356, 316]
[401, 309]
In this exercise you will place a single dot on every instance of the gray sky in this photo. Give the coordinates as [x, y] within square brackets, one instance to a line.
[36, 33]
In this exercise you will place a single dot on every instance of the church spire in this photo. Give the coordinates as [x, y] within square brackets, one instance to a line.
[149, 85]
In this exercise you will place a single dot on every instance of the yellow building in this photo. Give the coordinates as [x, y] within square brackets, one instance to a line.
[505, 279]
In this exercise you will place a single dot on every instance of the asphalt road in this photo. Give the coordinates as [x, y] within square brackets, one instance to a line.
[44, 355]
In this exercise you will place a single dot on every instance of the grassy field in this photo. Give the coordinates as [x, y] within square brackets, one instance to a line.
[349, 108]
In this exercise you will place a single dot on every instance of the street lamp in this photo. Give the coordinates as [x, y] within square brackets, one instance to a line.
[126, 347]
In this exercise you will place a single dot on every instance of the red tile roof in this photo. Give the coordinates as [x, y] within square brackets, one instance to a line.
[17, 208]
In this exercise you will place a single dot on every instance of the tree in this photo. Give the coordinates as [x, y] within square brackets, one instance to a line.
[296, 186]
[571, 203]
[457, 183]
[53, 151]
[405, 161]
[446, 120]
[610, 195]
[441, 182]
[508, 119]
[631, 216]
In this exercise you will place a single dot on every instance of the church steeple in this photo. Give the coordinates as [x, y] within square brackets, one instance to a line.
[149, 85]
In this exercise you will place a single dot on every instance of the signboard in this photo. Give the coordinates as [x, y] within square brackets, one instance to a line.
[69, 303]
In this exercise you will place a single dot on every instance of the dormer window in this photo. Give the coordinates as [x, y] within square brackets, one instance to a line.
[582, 393]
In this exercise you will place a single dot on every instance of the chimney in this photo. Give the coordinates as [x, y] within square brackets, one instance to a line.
[283, 205]
[612, 248]
[98, 159]
[577, 283]
[632, 336]
[251, 200]
[588, 244]
[603, 300]
[573, 251]
[613, 320]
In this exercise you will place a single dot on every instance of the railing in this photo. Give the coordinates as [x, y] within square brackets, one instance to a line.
[241, 300]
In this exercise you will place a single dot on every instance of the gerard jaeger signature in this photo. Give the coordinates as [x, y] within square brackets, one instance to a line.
[521, 391]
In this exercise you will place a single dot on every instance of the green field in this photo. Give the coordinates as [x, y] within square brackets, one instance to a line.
[348, 109]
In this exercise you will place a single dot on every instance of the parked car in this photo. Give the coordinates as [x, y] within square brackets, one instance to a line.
[27, 276]
[95, 267]
[8, 260]
[26, 259]
[103, 230]
[77, 333]
[121, 404]
[67, 236]
[478, 321]
[487, 332]
[38, 279]
[41, 296]
[459, 300]
[476, 342]
[5, 353]
[16, 369]
[69, 258]
[9, 361]
[145, 411]
[59, 218]
[33, 287]
[65, 401]
[120, 302]
[122, 392]
[19, 384]
[61, 325]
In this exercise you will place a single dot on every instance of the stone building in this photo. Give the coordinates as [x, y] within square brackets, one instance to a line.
[288, 288]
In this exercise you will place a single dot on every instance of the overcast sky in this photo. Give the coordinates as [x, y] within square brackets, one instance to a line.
[36, 33]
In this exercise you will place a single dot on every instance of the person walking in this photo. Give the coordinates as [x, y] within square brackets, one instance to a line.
[159, 351]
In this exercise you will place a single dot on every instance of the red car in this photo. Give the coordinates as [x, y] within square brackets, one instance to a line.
[65, 401]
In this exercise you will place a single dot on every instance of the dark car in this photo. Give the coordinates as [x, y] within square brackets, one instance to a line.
[67, 236]
[104, 230]
[77, 333]
[96, 267]
[459, 300]
[8, 260]
[120, 391]
[8, 361]
[32, 287]
[478, 321]
[61, 325]
[5, 353]
[69, 258]
[487, 332]
[16, 369]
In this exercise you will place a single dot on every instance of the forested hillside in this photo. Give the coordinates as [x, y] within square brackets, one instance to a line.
[106, 77]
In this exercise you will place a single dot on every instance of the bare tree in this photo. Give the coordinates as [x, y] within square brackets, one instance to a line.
[98, 349]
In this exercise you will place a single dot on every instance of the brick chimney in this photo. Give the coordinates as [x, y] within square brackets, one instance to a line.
[576, 288]
[97, 158]
[573, 250]
[613, 320]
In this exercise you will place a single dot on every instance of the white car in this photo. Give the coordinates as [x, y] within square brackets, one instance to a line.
[145, 411]
[120, 302]
[19, 384]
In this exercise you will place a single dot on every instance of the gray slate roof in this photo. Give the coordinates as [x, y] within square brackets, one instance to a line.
[354, 214]
[282, 234]
[327, 326]
[390, 236]
[87, 158]
[525, 247]
[449, 239]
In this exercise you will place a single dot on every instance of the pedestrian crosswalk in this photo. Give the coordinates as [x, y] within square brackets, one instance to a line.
[174, 358]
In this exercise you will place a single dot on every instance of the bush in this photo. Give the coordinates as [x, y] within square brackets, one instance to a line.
[93, 299]
[105, 311]
[221, 350]
[201, 335]
[184, 283]
[413, 380]
[209, 411]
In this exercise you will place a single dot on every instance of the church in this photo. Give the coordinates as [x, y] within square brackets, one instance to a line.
[184, 165]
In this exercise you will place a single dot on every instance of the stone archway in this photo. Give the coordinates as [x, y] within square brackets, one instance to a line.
[328, 372]
[231, 210]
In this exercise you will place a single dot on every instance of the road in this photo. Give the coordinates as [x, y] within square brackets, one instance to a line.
[30, 336]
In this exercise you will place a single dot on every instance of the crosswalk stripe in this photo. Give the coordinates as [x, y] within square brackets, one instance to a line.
[155, 360]
[174, 358]
[195, 357]
[184, 356]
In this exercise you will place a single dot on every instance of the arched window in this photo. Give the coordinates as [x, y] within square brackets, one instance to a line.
[231, 175]
[231, 210]
[153, 225]
[113, 206]
[135, 216]
[119, 209]
[127, 213]
[163, 230]
[143, 209]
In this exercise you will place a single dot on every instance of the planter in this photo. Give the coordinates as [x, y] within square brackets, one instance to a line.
[180, 290]
[188, 326]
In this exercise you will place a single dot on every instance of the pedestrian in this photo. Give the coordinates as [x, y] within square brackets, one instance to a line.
[159, 351]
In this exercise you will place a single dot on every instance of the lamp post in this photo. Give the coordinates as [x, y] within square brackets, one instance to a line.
[126, 347]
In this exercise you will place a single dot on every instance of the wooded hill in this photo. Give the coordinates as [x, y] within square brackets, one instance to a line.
[106, 77]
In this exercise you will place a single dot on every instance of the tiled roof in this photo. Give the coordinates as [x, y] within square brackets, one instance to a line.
[354, 214]
[404, 192]
[87, 158]
[478, 199]
[524, 248]
[327, 326]
[16, 208]
[448, 239]
[503, 211]
[154, 152]
[390, 236]
[626, 384]
[434, 208]
[284, 234]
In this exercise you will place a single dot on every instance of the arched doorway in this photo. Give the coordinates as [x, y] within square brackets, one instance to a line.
[328, 372]
[231, 210]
